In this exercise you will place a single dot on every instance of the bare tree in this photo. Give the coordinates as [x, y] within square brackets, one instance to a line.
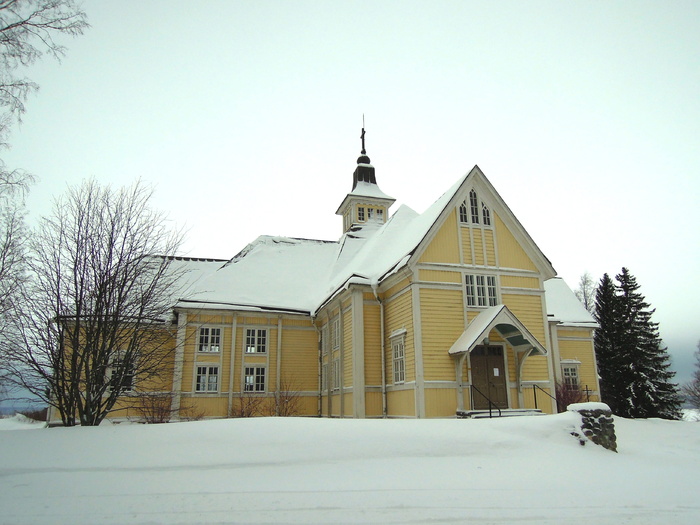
[586, 292]
[28, 31]
[13, 240]
[692, 388]
[97, 315]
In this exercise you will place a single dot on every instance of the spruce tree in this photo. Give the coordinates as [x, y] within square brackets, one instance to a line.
[633, 364]
[607, 342]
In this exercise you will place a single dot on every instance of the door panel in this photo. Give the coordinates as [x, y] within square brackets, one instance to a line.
[489, 377]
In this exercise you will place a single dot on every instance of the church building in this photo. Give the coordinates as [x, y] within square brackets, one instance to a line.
[451, 312]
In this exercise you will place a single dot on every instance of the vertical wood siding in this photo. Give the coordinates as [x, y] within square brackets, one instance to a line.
[466, 245]
[440, 402]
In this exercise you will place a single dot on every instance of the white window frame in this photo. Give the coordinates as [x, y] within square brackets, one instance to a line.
[207, 334]
[255, 379]
[255, 341]
[206, 371]
[486, 214]
[571, 378]
[335, 333]
[474, 206]
[335, 375]
[398, 352]
[463, 215]
[480, 290]
[360, 214]
[130, 375]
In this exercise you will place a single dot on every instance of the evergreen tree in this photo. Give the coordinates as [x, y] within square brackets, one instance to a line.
[607, 341]
[634, 365]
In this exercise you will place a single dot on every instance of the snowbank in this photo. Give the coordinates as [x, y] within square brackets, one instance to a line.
[294, 470]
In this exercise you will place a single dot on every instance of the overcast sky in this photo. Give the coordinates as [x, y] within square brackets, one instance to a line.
[245, 117]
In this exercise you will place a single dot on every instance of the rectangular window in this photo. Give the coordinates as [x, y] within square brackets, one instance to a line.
[361, 214]
[255, 379]
[480, 290]
[122, 375]
[380, 214]
[491, 288]
[470, 290]
[570, 373]
[209, 339]
[255, 340]
[207, 379]
[335, 333]
[335, 374]
[397, 347]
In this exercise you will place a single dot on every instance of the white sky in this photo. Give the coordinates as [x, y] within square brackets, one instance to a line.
[246, 116]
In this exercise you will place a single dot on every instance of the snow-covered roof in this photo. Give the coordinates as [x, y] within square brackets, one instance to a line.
[301, 275]
[278, 273]
[564, 307]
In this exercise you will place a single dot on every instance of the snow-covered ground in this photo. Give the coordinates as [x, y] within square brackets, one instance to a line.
[293, 470]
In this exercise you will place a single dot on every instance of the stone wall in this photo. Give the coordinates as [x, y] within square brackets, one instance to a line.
[596, 425]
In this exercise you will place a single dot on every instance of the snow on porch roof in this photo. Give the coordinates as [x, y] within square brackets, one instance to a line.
[504, 321]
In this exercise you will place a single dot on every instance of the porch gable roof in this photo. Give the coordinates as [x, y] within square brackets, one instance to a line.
[497, 317]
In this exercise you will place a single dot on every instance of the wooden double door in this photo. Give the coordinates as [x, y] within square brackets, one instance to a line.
[488, 377]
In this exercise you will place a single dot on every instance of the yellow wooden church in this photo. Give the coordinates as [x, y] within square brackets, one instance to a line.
[452, 312]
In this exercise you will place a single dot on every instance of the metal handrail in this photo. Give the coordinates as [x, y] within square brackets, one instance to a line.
[534, 393]
[487, 399]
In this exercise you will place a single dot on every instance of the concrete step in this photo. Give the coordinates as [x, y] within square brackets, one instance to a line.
[505, 412]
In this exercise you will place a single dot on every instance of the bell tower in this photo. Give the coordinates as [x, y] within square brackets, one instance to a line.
[366, 203]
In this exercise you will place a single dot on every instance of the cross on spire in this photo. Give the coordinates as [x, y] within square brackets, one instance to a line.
[363, 135]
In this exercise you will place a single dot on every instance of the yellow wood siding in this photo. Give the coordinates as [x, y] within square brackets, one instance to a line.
[299, 360]
[398, 314]
[347, 349]
[440, 402]
[401, 403]
[373, 404]
[478, 247]
[514, 281]
[490, 245]
[444, 247]
[582, 351]
[439, 276]
[466, 245]
[373, 350]
[398, 287]
[528, 309]
[442, 321]
[510, 253]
